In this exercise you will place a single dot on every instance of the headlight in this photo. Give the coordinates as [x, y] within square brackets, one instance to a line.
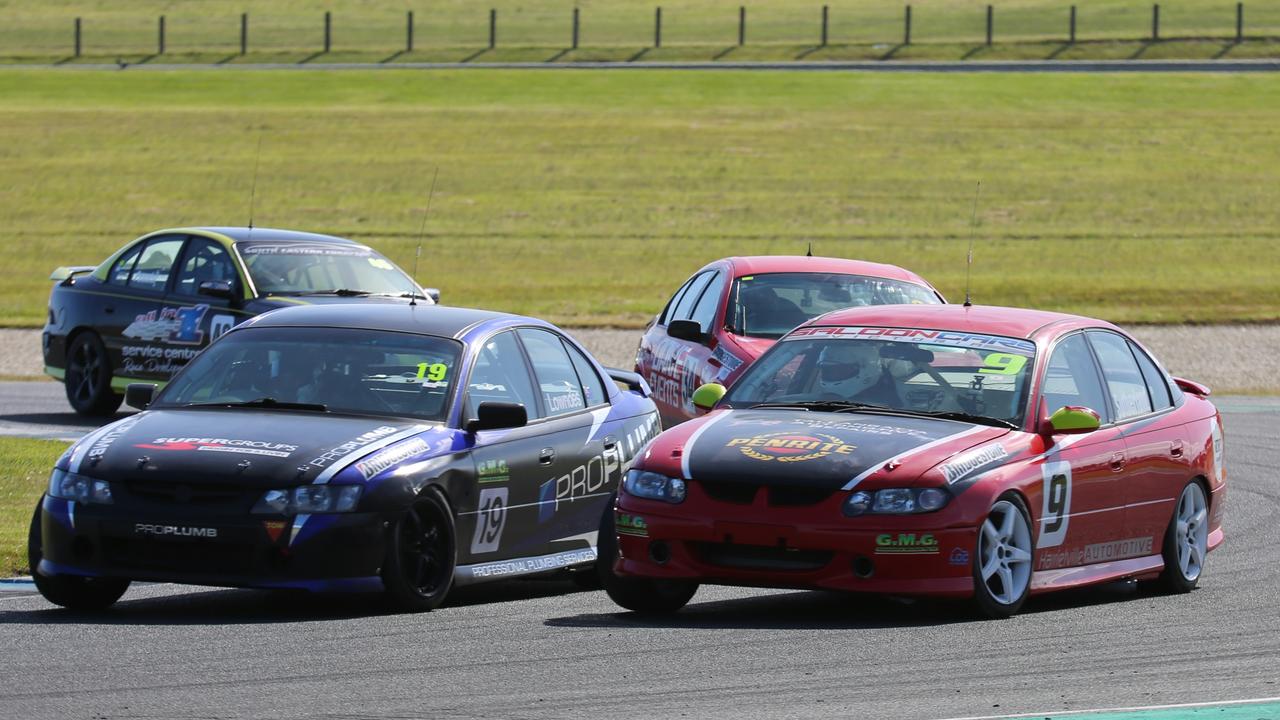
[895, 501]
[653, 486]
[309, 499]
[70, 486]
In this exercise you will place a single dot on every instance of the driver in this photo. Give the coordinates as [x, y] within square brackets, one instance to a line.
[853, 371]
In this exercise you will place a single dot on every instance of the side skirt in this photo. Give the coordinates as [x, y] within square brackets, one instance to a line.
[1048, 580]
[515, 567]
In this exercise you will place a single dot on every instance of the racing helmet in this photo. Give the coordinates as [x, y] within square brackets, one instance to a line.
[847, 367]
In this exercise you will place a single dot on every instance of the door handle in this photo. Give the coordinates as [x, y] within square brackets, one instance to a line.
[108, 310]
[610, 442]
[1117, 462]
[546, 456]
[1176, 448]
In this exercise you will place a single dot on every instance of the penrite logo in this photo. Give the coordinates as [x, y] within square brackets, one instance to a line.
[174, 531]
[791, 447]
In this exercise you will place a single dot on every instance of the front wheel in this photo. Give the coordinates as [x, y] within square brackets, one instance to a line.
[418, 570]
[641, 595]
[1186, 541]
[70, 591]
[1002, 563]
[88, 377]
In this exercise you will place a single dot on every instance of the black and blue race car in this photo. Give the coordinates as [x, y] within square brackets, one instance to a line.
[400, 448]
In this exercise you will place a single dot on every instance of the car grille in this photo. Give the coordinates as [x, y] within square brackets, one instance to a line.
[212, 557]
[212, 497]
[745, 494]
[761, 557]
[737, 493]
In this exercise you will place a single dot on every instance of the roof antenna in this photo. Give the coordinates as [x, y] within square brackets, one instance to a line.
[973, 230]
[253, 187]
[422, 232]
[809, 252]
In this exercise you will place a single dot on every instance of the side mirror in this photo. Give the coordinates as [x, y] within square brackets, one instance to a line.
[498, 416]
[706, 396]
[139, 395]
[433, 293]
[686, 330]
[216, 288]
[1073, 420]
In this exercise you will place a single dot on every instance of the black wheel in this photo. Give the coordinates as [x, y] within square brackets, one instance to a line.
[70, 591]
[647, 597]
[1186, 541]
[88, 378]
[418, 571]
[1002, 558]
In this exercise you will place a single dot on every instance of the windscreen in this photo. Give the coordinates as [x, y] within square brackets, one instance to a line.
[769, 306]
[302, 268]
[363, 372]
[902, 369]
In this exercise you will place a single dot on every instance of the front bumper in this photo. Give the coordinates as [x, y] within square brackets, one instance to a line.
[806, 548]
[322, 552]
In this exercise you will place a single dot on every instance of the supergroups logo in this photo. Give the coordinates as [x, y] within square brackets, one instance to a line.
[231, 445]
[790, 447]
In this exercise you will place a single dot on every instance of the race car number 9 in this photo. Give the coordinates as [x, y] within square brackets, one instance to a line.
[1002, 364]
[490, 520]
[1056, 512]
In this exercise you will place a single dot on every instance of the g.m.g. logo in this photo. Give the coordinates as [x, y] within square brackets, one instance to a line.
[790, 447]
[906, 544]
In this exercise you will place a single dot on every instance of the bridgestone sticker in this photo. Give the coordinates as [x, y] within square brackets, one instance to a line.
[391, 457]
[964, 465]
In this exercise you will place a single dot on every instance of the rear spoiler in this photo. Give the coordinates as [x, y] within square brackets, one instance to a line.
[633, 381]
[67, 273]
[1192, 387]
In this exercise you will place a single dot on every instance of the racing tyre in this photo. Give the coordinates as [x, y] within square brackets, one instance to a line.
[1186, 542]
[418, 570]
[70, 591]
[1002, 561]
[88, 378]
[647, 597]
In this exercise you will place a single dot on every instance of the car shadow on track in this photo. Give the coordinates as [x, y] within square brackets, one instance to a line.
[254, 607]
[808, 609]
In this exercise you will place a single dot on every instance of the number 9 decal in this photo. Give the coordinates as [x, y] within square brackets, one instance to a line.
[1056, 512]
[1002, 364]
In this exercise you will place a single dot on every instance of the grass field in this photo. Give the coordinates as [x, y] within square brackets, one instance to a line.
[692, 29]
[589, 196]
[23, 477]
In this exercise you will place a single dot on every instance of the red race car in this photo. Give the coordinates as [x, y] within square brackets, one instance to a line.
[734, 309]
[967, 452]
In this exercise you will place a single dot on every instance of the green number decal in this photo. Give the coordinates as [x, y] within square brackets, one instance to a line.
[1003, 364]
[435, 372]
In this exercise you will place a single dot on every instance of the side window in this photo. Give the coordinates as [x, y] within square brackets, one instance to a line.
[1157, 386]
[675, 300]
[685, 306]
[704, 313]
[120, 271]
[203, 261]
[557, 380]
[500, 375]
[1071, 378]
[1124, 380]
[154, 265]
[592, 386]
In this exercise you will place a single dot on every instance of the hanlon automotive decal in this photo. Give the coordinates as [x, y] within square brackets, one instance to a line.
[226, 445]
[769, 447]
[1096, 553]
[968, 463]
[786, 447]
[906, 544]
[927, 337]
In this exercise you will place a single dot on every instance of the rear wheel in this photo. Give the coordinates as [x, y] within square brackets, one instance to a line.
[1002, 563]
[70, 591]
[641, 595]
[418, 570]
[88, 378]
[1186, 541]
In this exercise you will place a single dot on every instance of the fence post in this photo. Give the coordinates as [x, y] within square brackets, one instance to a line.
[77, 36]
[575, 28]
[825, 22]
[1239, 22]
[328, 25]
[1073, 25]
[408, 29]
[657, 27]
[1155, 22]
[742, 25]
[493, 28]
[160, 38]
[906, 35]
[990, 23]
[244, 33]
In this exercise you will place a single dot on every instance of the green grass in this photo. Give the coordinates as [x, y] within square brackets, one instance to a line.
[23, 477]
[587, 197]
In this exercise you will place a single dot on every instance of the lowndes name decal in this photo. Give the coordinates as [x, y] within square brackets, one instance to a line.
[227, 445]
[930, 337]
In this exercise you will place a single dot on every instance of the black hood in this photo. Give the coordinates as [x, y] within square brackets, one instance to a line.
[254, 448]
[808, 449]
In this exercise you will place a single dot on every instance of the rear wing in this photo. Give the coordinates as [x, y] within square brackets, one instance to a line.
[69, 272]
[633, 381]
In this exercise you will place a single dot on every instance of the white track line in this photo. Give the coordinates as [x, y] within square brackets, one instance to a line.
[1138, 708]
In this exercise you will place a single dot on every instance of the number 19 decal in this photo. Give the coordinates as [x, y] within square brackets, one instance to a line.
[490, 520]
[1057, 504]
